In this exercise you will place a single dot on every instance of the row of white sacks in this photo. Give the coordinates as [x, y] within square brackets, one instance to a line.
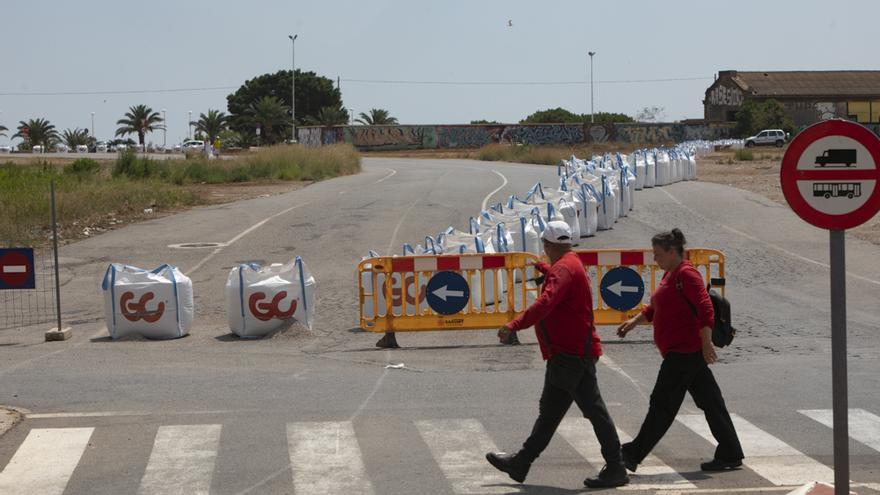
[703, 148]
[592, 195]
[158, 304]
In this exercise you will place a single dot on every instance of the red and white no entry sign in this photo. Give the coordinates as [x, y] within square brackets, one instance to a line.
[16, 269]
[830, 174]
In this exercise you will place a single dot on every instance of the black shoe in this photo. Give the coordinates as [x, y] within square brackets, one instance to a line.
[388, 341]
[628, 462]
[609, 477]
[513, 464]
[721, 465]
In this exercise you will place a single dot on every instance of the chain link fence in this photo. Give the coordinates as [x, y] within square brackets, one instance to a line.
[21, 308]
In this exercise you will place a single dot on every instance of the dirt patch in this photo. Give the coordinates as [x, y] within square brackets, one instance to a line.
[207, 194]
[761, 176]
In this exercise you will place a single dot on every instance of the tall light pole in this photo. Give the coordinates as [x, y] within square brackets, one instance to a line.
[93, 124]
[164, 130]
[591, 86]
[189, 124]
[292, 87]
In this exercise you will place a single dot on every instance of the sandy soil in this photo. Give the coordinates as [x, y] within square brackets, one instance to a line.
[761, 176]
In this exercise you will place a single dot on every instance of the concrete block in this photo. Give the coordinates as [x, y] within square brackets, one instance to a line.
[56, 335]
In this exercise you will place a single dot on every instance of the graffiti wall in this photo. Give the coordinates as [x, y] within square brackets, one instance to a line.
[475, 136]
[725, 96]
[391, 137]
[468, 136]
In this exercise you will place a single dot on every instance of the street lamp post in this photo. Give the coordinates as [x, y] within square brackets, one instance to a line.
[293, 87]
[591, 86]
[164, 130]
[189, 125]
[93, 124]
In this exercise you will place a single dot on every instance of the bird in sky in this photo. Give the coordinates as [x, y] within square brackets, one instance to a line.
[509, 23]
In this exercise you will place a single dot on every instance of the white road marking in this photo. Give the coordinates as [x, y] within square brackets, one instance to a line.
[765, 243]
[383, 179]
[652, 474]
[770, 457]
[864, 427]
[486, 199]
[397, 227]
[15, 269]
[45, 461]
[182, 461]
[607, 361]
[106, 414]
[239, 236]
[760, 489]
[325, 458]
[459, 446]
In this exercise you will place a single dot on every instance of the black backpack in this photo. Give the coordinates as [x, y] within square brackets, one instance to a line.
[722, 331]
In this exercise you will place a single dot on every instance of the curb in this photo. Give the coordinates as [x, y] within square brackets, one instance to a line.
[9, 417]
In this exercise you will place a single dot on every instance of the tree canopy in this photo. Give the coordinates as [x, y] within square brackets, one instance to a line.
[140, 119]
[212, 124]
[36, 132]
[313, 93]
[563, 116]
[755, 116]
[377, 116]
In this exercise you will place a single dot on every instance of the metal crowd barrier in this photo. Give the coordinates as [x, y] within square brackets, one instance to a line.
[393, 291]
[709, 262]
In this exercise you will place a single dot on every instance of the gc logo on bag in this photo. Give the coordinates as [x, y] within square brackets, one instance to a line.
[266, 311]
[138, 311]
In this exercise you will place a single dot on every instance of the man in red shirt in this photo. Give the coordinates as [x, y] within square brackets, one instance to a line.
[563, 320]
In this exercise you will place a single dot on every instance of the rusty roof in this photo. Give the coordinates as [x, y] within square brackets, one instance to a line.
[810, 83]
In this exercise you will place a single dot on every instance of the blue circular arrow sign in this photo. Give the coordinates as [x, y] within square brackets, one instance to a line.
[447, 293]
[622, 288]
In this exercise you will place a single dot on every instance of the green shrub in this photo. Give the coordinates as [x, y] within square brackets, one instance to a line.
[130, 165]
[83, 166]
[744, 155]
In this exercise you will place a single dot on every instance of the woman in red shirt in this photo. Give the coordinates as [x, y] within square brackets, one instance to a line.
[682, 315]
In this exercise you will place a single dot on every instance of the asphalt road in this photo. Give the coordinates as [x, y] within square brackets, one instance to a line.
[319, 412]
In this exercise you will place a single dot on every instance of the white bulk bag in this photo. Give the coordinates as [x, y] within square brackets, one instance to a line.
[156, 304]
[663, 168]
[569, 212]
[589, 211]
[692, 167]
[650, 169]
[261, 298]
[609, 206]
[640, 164]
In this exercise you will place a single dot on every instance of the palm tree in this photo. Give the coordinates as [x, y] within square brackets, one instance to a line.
[329, 116]
[212, 124]
[37, 132]
[270, 114]
[139, 120]
[75, 137]
[3, 128]
[377, 116]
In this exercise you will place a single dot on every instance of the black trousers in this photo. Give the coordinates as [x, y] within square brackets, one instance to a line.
[571, 379]
[682, 373]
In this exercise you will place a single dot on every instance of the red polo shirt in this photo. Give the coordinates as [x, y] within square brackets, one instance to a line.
[565, 307]
[676, 329]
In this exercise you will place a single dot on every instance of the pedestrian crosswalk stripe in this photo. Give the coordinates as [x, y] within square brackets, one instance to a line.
[770, 457]
[653, 474]
[182, 460]
[325, 458]
[459, 446]
[864, 427]
[45, 461]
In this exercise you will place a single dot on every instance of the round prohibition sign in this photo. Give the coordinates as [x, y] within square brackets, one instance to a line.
[807, 185]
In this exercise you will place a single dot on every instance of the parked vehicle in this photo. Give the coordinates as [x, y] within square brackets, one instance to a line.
[192, 144]
[5, 149]
[767, 137]
[836, 157]
[81, 148]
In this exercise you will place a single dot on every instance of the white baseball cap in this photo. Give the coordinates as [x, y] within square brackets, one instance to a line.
[557, 232]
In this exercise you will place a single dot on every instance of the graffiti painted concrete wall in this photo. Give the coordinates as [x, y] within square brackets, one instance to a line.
[403, 137]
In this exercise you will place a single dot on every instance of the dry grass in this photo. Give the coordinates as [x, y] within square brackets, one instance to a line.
[111, 193]
[545, 155]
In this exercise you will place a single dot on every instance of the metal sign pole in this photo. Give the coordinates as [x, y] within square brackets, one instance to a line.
[55, 252]
[838, 362]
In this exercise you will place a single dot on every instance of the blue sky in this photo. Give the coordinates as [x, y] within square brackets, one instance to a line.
[107, 46]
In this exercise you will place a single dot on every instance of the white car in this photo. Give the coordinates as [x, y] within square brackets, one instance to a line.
[767, 137]
[193, 144]
[81, 148]
[37, 149]
[5, 149]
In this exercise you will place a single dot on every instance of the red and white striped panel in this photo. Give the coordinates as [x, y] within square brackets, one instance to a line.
[409, 264]
[616, 258]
